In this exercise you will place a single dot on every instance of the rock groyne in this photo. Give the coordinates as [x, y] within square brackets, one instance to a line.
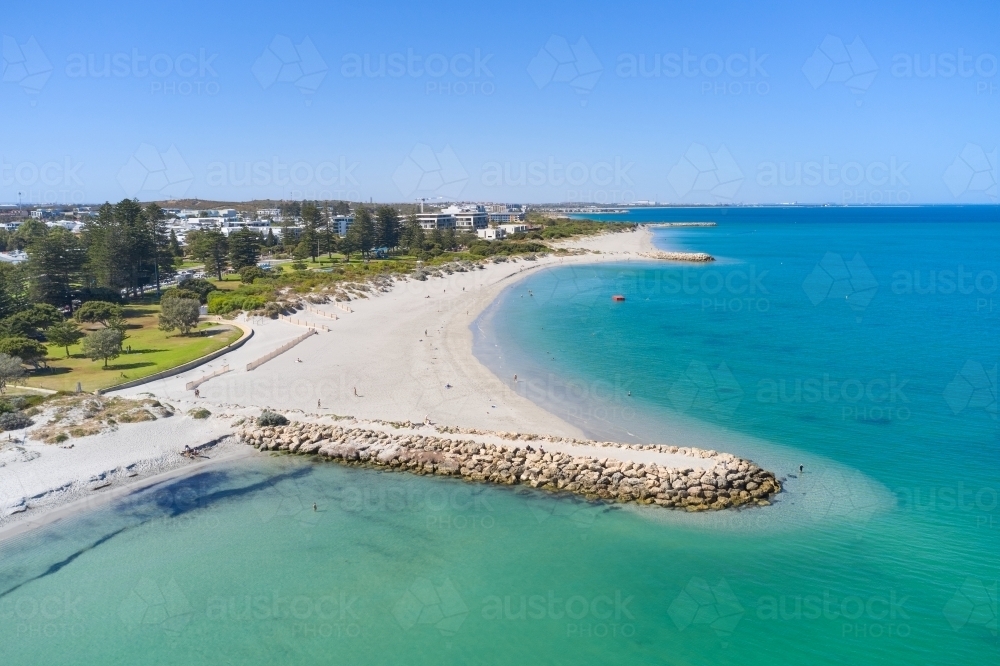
[718, 481]
[698, 257]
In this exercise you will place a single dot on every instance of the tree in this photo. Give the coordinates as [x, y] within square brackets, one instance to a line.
[13, 289]
[56, 262]
[119, 324]
[244, 248]
[179, 313]
[127, 246]
[386, 227]
[98, 312]
[31, 352]
[105, 343]
[29, 232]
[361, 235]
[288, 238]
[31, 322]
[159, 242]
[301, 251]
[64, 334]
[269, 239]
[412, 236]
[210, 246]
[175, 245]
[311, 220]
[327, 238]
[11, 369]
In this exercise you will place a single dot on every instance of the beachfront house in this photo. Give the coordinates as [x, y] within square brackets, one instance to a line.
[514, 228]
[491, 233]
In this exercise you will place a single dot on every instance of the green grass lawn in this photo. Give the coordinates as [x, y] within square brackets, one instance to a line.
[153, 351]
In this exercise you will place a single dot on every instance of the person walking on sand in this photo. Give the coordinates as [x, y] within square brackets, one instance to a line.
[318, 404]
[355, 391]
[315, 508]
[801, 467]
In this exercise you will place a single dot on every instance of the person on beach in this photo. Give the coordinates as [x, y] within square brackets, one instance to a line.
[801, 467]
[355, 391]
[515, 377]
[318, 404]
[197, 393]
[315, 508]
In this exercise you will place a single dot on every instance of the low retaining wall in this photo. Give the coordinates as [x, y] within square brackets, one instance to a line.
[198, 382]
[302, 322]
[190, 365]
[280, 350]
[317, 311]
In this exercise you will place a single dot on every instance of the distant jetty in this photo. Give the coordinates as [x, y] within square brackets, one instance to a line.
[718, 481]
[681, 224]
[697, 257]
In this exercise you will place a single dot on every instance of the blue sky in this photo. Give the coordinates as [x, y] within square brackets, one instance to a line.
[610, 102]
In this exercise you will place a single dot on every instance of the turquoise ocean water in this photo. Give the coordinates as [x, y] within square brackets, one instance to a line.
[860, 343]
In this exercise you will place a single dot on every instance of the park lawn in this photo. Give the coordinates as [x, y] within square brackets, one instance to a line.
[153, 351]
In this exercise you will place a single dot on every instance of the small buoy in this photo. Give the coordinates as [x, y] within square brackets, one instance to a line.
[618, 298]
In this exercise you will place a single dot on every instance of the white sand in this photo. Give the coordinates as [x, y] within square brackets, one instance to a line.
[380, 349]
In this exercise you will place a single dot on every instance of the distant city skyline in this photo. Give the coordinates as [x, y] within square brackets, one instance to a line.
[852, 104]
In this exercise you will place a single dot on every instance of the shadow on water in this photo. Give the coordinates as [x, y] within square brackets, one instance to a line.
[167, 500]
[54, 568]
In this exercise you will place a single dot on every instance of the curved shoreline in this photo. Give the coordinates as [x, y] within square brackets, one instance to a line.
[399, 356]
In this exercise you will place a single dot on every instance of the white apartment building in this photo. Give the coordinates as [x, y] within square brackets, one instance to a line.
[469, 218]
[514, 228]
[341, 223]
[431, 221]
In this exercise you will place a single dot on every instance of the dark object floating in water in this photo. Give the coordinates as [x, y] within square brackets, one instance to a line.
[618, 298]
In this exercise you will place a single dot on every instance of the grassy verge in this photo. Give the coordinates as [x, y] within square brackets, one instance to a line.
[153, 351]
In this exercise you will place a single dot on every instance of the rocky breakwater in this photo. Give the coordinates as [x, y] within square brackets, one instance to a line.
[719, 481]
[697, 257]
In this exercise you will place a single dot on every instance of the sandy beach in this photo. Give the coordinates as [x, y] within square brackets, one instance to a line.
[400, 355]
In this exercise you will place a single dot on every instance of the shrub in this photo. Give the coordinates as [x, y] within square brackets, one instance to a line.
[14, 421]
[199, 413]
[250, 273]
[199, 286]
[177, 292]
[225, 302]
[269, 418]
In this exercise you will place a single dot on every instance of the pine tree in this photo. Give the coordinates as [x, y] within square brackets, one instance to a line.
[311, 219]
[212, 247]
[362, 231]
[387, 227]
[55, 264]
[244, 248]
